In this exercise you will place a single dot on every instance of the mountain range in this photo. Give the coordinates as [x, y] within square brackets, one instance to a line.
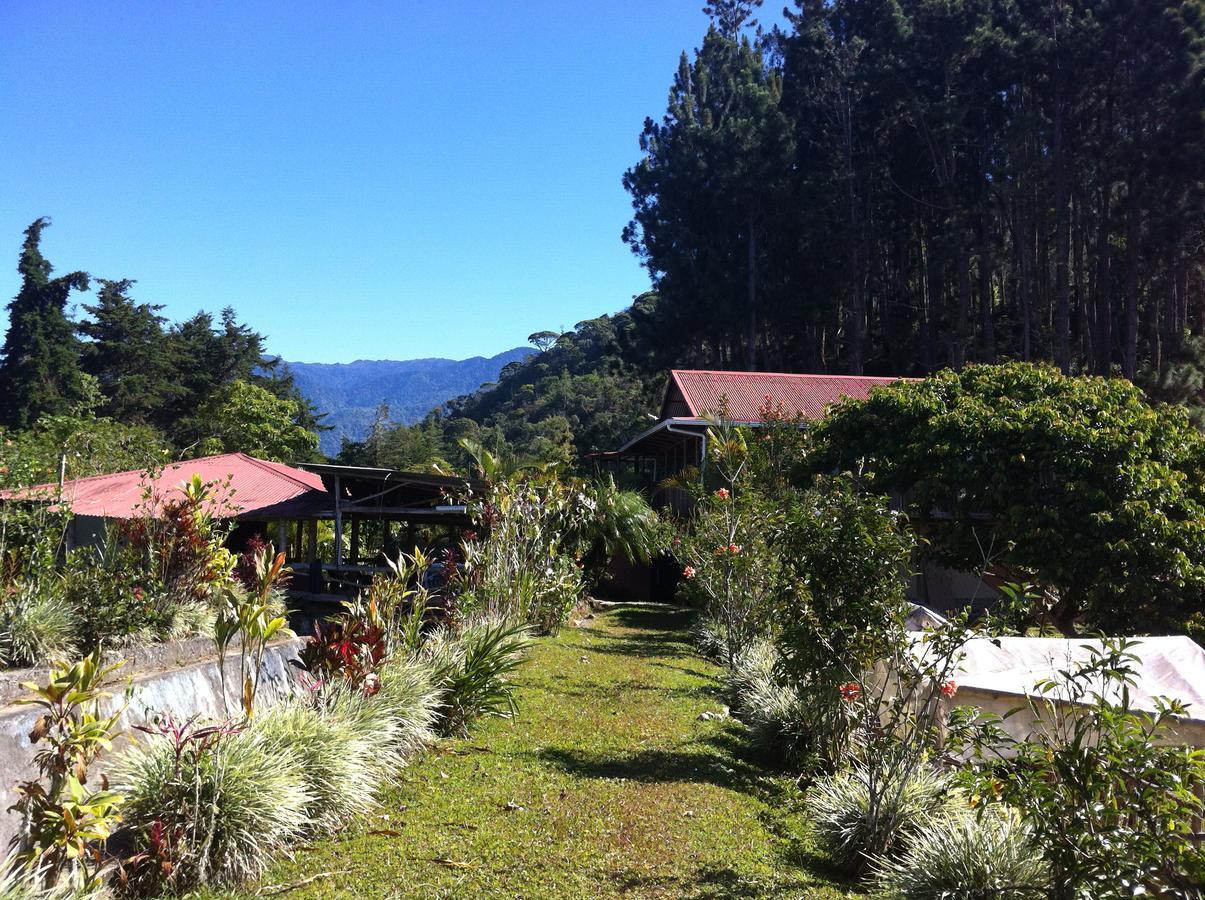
[350, 393]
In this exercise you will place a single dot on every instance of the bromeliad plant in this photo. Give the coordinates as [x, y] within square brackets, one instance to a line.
[64, 822]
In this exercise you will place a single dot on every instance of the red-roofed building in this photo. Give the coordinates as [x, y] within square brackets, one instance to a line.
[380, 511]
[695, 396]
[245, 488]
[693, 400]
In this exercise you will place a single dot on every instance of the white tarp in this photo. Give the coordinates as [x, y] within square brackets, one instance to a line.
[1172, 667]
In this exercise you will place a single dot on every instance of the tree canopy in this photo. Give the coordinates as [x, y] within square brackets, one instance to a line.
[1076, 483]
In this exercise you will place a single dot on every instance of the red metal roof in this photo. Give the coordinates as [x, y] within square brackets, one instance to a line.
[246, 486]
[703, 392]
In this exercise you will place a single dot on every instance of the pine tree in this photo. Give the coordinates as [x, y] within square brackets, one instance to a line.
[127, 353]
[40, 371]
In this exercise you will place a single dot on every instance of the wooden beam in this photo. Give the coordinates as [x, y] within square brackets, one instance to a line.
[338, 523]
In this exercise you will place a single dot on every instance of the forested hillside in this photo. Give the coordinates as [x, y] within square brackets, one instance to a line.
[355, 395]
[892, 189]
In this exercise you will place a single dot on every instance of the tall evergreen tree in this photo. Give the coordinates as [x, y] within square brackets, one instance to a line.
[127, 352]
[39, 371]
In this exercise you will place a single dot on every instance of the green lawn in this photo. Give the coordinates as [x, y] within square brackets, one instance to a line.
[606, 785]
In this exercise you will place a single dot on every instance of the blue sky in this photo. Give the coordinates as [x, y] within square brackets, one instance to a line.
[359, 180]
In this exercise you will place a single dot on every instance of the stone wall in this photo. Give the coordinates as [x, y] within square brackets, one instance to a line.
[181, 679]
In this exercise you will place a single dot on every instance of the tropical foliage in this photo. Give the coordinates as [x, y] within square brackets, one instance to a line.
[1074, 483]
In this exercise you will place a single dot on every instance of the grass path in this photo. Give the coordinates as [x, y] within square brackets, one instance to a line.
[607, 785]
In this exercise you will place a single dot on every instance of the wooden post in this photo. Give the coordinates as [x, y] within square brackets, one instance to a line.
[338, 524]
[313, 540]
[282, 538]
[355, 540]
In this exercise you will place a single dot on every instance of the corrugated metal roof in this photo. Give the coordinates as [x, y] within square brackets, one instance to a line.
[246, 485]
[705, 392]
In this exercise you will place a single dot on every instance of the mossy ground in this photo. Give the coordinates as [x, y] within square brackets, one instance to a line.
[606, 785]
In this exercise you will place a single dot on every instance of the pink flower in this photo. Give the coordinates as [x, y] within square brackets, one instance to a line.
[722, 493]
[372, 684]
[850, 691]
[688, 572]
[949, 689]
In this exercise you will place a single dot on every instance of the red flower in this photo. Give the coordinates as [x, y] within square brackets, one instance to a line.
[688, 572]
[139, 593]
[722, 493]
[850, 691]
[734, 549]
[949, 689]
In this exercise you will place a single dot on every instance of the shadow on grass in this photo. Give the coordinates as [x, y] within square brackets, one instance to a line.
[714, 883]
[693, 762]
[618, 690]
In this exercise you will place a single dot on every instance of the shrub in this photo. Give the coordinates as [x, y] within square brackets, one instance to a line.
[778, 716]
[1077, 480]
[471, 669]
[729, 564]
[395, 722]
[334, 761]
[708, 634]
[839, 604]
[64, 822]
[17, 883]
[1111, 801]
[215, 803]
[37, 623]
[853, 829]
[991, 856]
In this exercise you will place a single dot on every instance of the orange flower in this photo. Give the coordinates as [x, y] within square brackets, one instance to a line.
[949, 689]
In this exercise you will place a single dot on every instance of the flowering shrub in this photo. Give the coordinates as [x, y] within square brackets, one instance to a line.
[729, 564]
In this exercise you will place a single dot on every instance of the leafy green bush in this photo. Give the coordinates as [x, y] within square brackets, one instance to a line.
[217, 804]
[1110, 796]
[854, 829]
[839, 606]
[471, 669]
[990, 856]
[37, 623]
[1076, 480]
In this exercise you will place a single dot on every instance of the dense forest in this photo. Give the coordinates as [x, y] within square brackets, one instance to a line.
[893, 188]
[876, 186]
[121, 387]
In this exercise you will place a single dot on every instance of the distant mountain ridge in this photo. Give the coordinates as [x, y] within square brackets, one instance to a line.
[349, 393]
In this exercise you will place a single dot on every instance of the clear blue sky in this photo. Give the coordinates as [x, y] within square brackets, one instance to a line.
[359, 180]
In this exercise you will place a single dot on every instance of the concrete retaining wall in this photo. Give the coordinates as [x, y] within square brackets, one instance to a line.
[155, 686]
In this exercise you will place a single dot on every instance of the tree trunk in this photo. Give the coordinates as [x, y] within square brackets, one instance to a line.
[1062, 289]
[751, 291]
[963, 325]
[1129, 363]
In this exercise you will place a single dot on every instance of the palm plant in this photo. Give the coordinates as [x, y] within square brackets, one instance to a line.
[611, 523]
